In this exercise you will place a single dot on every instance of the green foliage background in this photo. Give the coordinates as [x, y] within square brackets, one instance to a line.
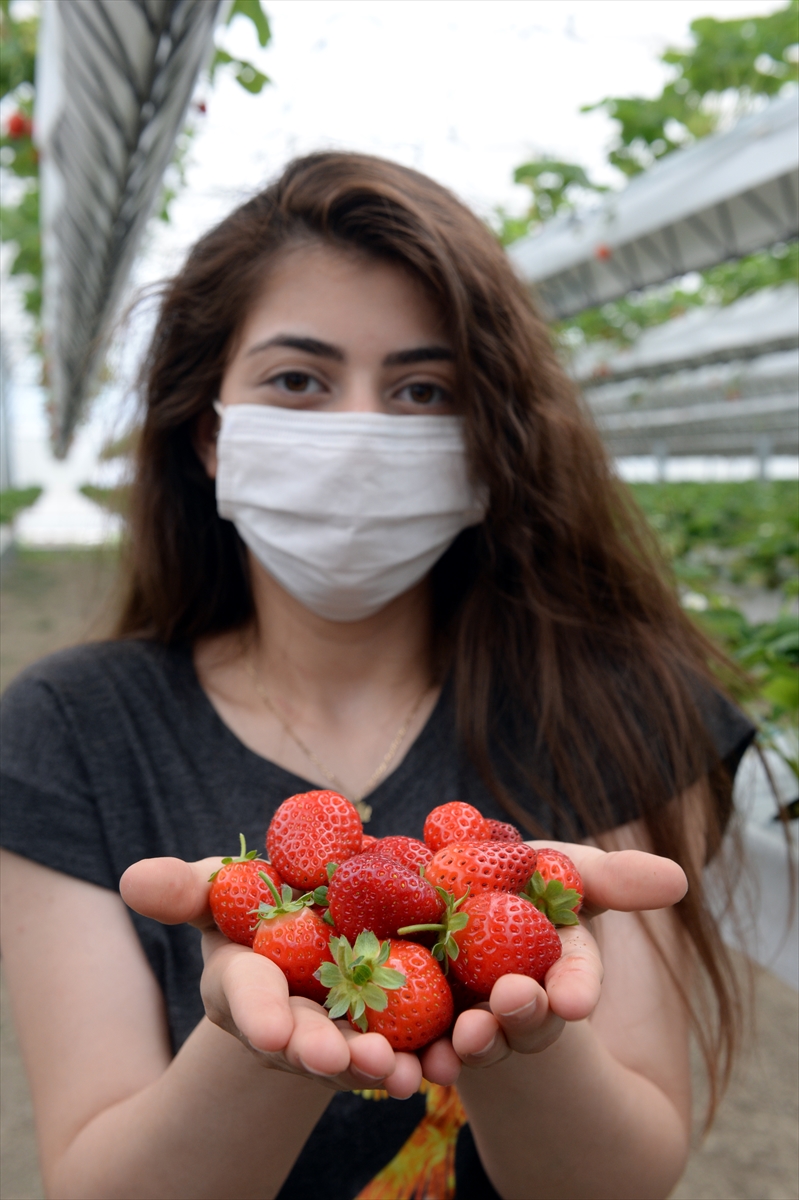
[14, 500]
[721, 538]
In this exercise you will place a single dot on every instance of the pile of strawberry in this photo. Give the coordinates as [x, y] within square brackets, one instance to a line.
[396, 934]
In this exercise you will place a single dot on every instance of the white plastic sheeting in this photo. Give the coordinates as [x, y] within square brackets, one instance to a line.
[114, 79]
[715, 381]
[727, 196]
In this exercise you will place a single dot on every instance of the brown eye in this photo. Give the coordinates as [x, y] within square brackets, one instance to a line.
[294, 381]
[424, 393]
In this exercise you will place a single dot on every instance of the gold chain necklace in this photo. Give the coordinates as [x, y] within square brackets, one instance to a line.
[364, 810]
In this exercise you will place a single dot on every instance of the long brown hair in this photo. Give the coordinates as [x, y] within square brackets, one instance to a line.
[558, 620]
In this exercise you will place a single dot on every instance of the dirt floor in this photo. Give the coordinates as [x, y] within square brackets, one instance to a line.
[50, 600]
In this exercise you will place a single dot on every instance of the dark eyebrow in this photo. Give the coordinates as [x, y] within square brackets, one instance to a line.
[404, 358]
[400, 358]
[306, 344]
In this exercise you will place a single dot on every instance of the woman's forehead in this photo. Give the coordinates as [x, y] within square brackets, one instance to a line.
[342, 296]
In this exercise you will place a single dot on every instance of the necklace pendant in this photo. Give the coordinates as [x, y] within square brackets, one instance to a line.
[364, 810]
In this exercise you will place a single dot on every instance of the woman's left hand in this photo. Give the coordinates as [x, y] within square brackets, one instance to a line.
[523, 1016]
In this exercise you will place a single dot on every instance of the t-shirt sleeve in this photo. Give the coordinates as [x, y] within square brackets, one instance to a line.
[730, 730]
[48, 811]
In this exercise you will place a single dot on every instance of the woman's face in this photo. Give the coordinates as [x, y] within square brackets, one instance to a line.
[339, 332]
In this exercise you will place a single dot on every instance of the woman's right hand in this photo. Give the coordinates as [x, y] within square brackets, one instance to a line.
[247, 995]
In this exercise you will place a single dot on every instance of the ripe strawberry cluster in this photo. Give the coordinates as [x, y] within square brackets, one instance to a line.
[396, 934]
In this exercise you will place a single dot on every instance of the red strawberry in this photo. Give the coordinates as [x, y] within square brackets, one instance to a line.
[310, 830]
[407, 850]
[556, 887]
[296, 938]
[481, 867]
[397, 989]
[19, 126]
[504, 935]
[455, 822]
[502, 831]
[381, 894]
[462, 996]
[236, 891]
[368, 843]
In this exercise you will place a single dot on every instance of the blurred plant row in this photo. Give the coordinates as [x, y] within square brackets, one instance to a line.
[727, 544]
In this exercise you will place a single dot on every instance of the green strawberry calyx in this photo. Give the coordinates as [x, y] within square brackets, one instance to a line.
[452, 921]
[283, 901]
[320, 893]
[555, 901]
[245, 855]
[357, 979]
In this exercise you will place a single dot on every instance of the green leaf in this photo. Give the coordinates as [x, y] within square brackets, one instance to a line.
[564, 916]
[329, 975]
[387, 977]
[340, 1008]
[221, 58]
[250, 78]
[783, 690]
[382, 957]
[342, 952]
[367, 945]
[374, 997]
[251, 9]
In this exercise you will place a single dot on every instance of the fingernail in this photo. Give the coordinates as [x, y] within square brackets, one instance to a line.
[311, 1071]
[359, 1074]
[487, 1050]
[526, 1010]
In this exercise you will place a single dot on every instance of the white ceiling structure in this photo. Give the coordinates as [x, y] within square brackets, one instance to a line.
[714, 381]
[114, 80]
[724, 197]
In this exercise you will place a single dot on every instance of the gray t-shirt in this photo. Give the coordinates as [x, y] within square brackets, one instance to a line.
[112, 752]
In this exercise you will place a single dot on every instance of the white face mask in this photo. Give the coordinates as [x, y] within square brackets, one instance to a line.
[346, 510]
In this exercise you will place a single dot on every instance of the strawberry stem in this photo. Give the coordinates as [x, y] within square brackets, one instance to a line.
[282, 903]
[452, 921]
[245, 855]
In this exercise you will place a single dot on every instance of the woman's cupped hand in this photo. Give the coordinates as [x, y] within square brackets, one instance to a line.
[247, 995]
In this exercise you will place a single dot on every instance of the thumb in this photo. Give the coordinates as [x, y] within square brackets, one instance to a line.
[170, 890]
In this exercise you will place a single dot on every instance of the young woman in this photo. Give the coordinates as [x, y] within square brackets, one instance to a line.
[376, 545]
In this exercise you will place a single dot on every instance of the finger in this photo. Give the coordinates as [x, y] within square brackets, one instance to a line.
[522, 1008]
[478, 1039]
[625, 880]
[317, 1045]
[371, 1058]
[247, 994]
[369, 1054]
[574, 982]
[406, 1078]
[440, 1063]
[170, 890]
